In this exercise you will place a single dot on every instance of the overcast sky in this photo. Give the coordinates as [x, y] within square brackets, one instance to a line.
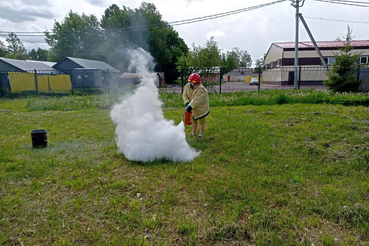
[253, 30]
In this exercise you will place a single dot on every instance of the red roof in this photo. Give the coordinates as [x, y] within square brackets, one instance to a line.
[321, 44]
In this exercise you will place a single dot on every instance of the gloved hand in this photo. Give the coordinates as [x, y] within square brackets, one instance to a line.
[187, 104]
[189, 108]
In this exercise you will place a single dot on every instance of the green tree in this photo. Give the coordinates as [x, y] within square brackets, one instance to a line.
[177, 48]
[39, 55]
[15, 48]
[76, 36]
[244, 57]
[123, 29]
[259, 63]
[143, 27]
[210, 54]
[165, 45]
[206, 56]
[229, 61]
[32, 55]
[118, 31]
[343, 76]
[235, 58]
[3, 49]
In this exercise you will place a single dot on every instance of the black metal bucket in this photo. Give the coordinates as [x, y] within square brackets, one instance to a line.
[39, 138]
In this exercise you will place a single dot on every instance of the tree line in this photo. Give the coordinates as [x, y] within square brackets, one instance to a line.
[16, 50]
[85, 36]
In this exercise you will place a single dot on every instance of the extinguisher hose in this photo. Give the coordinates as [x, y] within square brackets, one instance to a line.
[183, 114]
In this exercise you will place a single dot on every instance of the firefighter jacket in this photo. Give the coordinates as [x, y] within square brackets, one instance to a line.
[198, 99]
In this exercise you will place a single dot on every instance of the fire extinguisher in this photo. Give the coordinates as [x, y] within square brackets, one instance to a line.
[188, 118]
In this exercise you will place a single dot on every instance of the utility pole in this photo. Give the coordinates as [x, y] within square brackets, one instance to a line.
[296, 45]
[313, 41]
[296, 4]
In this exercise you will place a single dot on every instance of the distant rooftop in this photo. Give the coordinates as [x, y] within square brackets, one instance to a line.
[240, 71]
[92, 64]
[50, 64]
[321, 44]
[29, 65]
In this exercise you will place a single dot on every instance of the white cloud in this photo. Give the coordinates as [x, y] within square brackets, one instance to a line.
[216, 34]
[19, 12]
[100, 3]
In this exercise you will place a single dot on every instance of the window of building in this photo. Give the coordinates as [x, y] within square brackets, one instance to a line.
[278, 63]
[364, 60]
[329, 60]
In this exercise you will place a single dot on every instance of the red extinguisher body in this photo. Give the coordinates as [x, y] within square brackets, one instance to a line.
[188, 118]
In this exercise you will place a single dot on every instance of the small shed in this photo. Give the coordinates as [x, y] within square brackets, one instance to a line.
[23, 66]
[88, 73]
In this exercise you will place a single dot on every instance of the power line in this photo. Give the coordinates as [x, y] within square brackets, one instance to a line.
[224, 14]
[173, 23]
[204, 18]
[349, 3]
[316, 18]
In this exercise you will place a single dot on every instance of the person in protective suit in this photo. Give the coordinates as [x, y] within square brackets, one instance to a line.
[196, 99]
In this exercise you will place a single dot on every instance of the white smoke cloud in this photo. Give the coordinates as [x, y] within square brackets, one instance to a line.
[142, 132]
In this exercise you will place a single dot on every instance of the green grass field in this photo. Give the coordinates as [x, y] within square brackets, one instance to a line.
[276, 168]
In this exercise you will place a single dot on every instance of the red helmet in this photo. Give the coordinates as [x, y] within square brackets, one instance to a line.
[194, 78]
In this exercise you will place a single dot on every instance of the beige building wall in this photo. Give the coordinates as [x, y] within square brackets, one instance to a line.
[274, 54]
[279, 75]
[313, 53]
[275, 75]
[234, 78]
